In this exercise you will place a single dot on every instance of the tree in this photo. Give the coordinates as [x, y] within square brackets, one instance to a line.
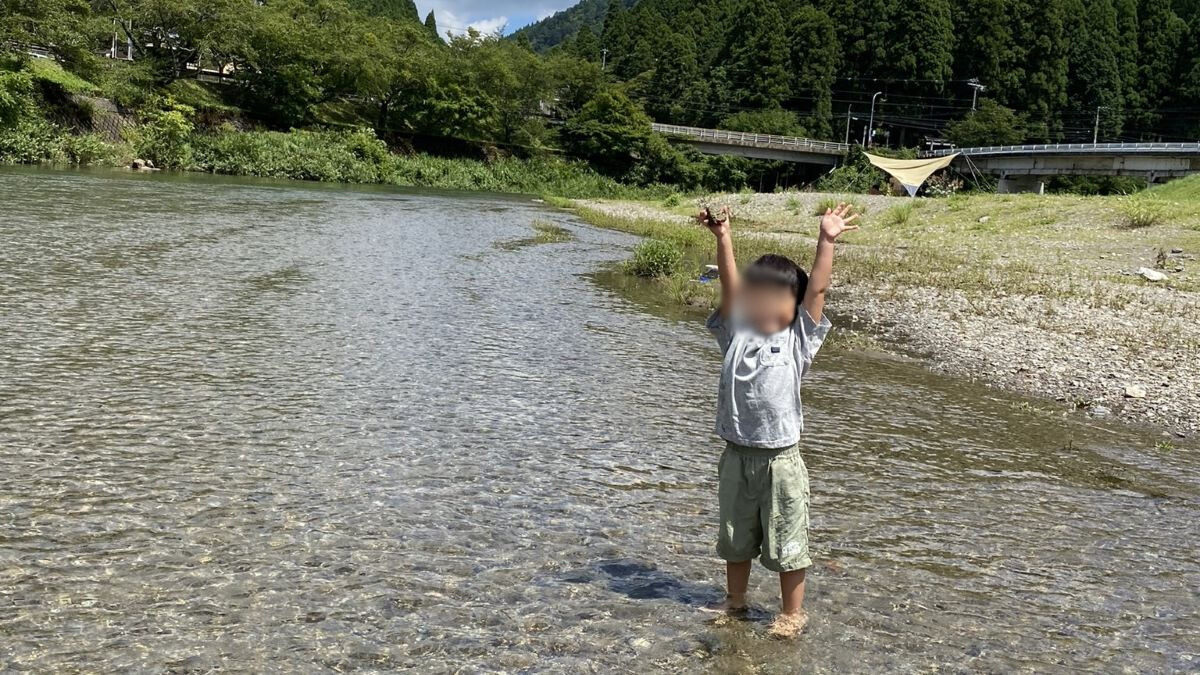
[987, 48]
[1189, 90]
[396, 64]
[586, 45]
[173, 34]
[815, 56]
[572, 83]
[1127, 51]
[397, 10]
[610, 132]
[755, 59]
[66, 27]
[775, 121]
[296, 55]
[990, 124]
[431, 25]
[862, 26]
[1042, 63]
[674, 91]
[1095, 68]
[615, 35]
[1161, 42]
[920, 44]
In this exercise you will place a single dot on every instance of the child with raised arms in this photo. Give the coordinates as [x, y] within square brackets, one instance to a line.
[770, 324]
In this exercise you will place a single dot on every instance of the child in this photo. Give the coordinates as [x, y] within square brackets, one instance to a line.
[770, 324]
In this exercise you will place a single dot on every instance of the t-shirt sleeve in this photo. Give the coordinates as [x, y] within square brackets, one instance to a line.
[810, 335]
[719, 327]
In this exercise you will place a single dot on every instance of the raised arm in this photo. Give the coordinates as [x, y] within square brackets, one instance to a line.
[833, 224]
[718, 224]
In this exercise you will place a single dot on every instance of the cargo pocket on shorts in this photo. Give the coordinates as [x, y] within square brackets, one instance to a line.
[789, 517]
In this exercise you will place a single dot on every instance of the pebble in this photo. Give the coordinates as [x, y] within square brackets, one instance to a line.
[1135, 391]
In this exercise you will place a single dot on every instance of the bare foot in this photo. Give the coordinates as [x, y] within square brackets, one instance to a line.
[727, 607]
[788, 626]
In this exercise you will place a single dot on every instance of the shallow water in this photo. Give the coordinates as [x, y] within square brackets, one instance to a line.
[286, 427]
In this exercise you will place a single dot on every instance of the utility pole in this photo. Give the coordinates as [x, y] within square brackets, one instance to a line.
[1096, 129]
[871, 125]
[604, 59]
[849, 112]
[974, 83]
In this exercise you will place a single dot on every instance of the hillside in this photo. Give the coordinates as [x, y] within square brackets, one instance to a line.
[553, 30]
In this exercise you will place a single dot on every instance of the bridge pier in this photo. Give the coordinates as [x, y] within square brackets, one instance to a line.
[1021, 184]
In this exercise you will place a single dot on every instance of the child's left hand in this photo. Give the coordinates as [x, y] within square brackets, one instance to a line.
[835, 221]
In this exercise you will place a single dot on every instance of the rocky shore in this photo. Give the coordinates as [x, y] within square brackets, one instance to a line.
[1044, 295]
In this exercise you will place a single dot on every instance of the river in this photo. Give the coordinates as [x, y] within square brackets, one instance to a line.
[266, 426]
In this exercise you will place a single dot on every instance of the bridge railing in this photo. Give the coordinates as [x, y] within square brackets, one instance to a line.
[1069, 148]
[744, 138]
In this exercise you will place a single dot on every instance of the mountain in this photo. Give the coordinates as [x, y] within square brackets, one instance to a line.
[553, 30]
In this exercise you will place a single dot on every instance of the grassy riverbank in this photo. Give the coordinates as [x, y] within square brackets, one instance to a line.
[1039, 294]
[330, 156]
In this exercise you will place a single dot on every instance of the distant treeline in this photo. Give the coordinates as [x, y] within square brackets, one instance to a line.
[752, 65]
[205, 69]
[1054, 63]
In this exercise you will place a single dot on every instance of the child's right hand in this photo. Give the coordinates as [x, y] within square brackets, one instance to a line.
[717, 222]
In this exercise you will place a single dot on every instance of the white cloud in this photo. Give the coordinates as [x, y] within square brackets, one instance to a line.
[457, 23]
[489, 16]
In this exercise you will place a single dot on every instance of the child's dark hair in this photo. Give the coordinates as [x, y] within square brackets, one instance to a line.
[777, 270]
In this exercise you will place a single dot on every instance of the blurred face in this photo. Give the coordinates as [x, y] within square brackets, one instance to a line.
[766, 307]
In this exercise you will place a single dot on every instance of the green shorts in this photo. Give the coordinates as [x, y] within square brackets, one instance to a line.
[763, 498]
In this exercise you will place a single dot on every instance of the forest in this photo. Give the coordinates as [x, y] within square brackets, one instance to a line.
[580, 89]
[1046, 68]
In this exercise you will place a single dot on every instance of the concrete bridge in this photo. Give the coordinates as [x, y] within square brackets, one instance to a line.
[758, 146]
[1023, 168]
[1020, 168]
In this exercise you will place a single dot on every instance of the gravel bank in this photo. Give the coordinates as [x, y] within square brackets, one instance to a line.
[1078, 326]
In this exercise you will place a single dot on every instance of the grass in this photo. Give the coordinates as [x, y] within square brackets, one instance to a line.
[1142, 212]
[1061, 248]
[687, 290]
[51, 71]
[1183, 189]
[656, 258]
[549, 233]
[544, 232]
[901, 213]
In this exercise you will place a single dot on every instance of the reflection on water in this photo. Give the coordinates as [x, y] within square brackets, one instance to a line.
[263, 426]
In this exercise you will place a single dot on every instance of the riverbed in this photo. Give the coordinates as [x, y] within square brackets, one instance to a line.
[283, 427]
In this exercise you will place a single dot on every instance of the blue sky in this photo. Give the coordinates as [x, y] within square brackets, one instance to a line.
[490, 15]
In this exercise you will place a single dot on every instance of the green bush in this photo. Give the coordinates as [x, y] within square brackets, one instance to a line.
[31, 141]
[16, 97]
[86, 149]
[166, 137]
[656, 258]
[332, 156]
[1143, 212]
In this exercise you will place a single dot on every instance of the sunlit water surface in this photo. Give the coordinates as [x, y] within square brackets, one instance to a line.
[283, 427]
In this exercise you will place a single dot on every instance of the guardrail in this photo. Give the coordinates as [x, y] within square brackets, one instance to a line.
[743, 138]
[1070, 148]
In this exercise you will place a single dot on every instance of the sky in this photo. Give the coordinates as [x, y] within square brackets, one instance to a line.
[489, 15]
